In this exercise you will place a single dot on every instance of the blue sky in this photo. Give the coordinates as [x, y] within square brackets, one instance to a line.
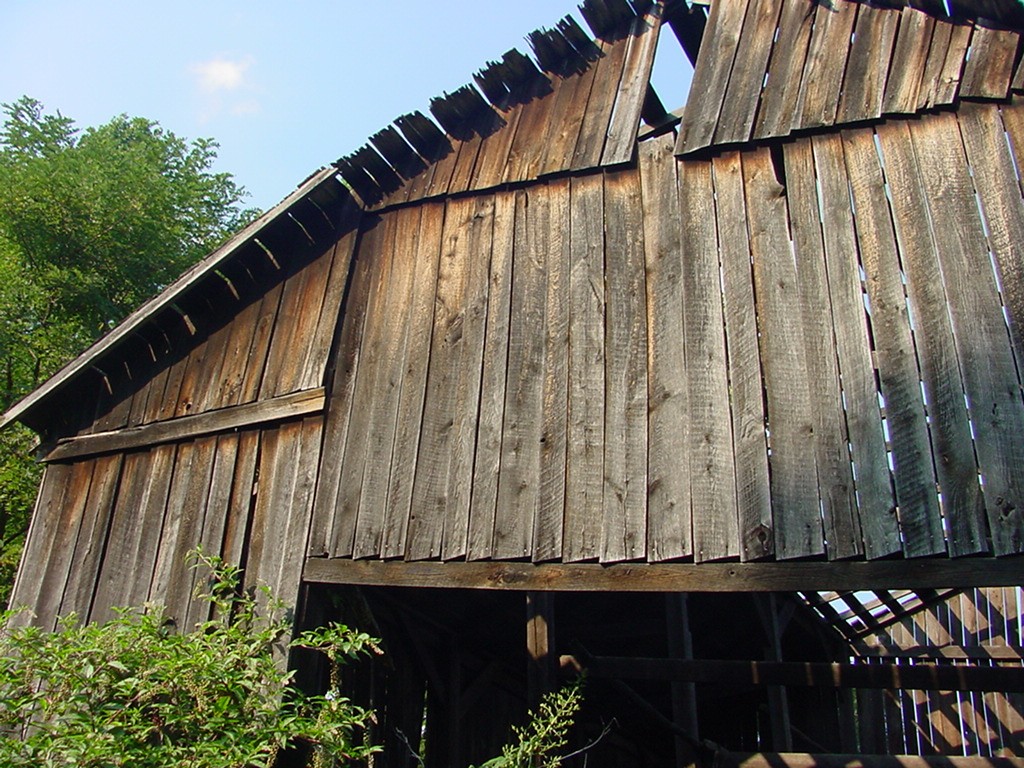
[284, 87]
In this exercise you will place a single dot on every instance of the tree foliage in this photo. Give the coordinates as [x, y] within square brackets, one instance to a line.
[135, 692]
[92, 222]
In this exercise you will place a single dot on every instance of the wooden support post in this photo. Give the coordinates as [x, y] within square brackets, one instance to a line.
[778, 701]
[684, 695]
[542, 662]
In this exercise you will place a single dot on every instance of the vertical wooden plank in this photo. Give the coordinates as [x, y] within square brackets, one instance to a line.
[853, 350]
[950, 429]
[668, 471]
[340, 404]
[832, 455]
[528, 146]
[989, 69]
[480, 538]
[570, 109]
[518, 483]
[822, 80]
[868, 65]
[244, 489]
[709, 430]
[597, 115]
[746, 387]
[796, 513]
[128, 561]
[92, 536]
[900, 380]
[414, 381]
[383, 400]
[740, 105]
[255, 361]
[624, 532]
[184, 522]
[441, 489]
[378, 247]
[947, 88]
[227, 383]
[711, 75]
[319, 346]
[909, 57]
[927, 95]
[620, 143]
[979, 329]
[554, 228]
[778, 100]
[41, 532]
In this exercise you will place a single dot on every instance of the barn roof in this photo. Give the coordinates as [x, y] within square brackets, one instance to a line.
[782, 324]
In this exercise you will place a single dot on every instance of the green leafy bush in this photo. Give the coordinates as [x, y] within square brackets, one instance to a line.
[135, 692]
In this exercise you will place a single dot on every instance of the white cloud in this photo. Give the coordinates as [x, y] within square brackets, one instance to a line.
[221, 74]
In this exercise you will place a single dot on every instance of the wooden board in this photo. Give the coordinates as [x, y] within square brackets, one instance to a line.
[989, 69]
[709, 428]
[668, 464]
[598, 113]
[795, 512]
[480, 537]
[832, 457]
[909, 56]
[979, 329]
[711, 76]
[740, 104]
[821, 82]
[624, 534]
[746, 388]
[785, 68]
[949, 427]
[868, 65]
[853, 350]
[898, 373]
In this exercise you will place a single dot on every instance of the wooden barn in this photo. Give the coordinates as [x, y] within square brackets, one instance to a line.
[722, 404]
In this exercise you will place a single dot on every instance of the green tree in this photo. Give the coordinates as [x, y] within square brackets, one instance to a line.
[92, 222]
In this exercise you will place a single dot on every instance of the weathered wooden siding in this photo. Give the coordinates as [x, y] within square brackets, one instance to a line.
[809, 351]
[117, 530]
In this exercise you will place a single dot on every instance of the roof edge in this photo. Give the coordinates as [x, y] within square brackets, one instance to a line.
[167, 296]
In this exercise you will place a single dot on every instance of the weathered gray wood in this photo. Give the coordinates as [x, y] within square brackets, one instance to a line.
[441, 489]
[979, 329]
[413, 381]
[909, 57]
[853, 350]
[952, 452]
[868, 65]
[624, 531]
[709, 428]
[243, 490]
[189, 427]
[740, 105]
[947, 87]
[668, 462]
[597, 115]
[228, 381]
[383, 399]
[988, 71]
[711, 76]
[569, 112]
[795, 512]
[553, 230]
[619, 146]
[92, 536]
[128, 560]
[480, 537]
[922, 573]
[930, 76]
[526, 153]
[894, 348]
[822, 79]
[518, 482]
[746, 388]
[832, 455]
[256, 359]
[339, 415]
[378, 247]
[489, 170]
[321, 180]
[785, 68]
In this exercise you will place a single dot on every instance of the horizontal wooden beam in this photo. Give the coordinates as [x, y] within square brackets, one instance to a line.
[998, 652]
[190, 427]
[893, 677]
[725, 759]
[672, 577]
